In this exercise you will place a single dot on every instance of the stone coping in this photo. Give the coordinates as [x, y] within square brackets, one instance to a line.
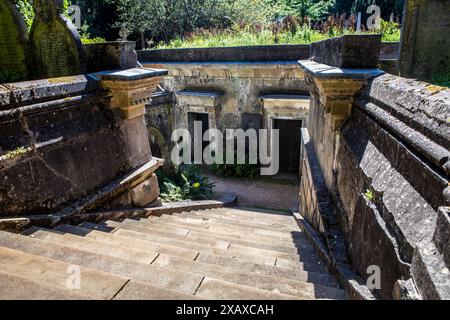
[219, 64]
[285, 97]
[22, 93]
[20, 223]
[17, 94]
[323, 71]
[133, 74]
[242, 53]
[200, 94]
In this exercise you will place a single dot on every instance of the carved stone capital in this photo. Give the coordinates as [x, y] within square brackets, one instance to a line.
[130, 90]
[336, 96]
[336, 87]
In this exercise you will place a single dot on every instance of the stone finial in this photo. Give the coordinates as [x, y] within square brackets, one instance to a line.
[131, 89]
[123, 34]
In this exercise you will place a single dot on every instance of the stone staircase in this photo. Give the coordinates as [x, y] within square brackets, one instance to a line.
[225, 253]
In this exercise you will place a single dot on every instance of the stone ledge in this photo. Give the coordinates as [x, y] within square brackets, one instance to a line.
[347, 278]
[13, 95]
[242, 53]
[275, 101]
[231, 70]
[198, 98]
[134, 74]
[323, 71]
[19, 224]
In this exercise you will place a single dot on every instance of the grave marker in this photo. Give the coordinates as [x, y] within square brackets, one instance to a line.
[13, 44]
[55, 43]
[425, 44]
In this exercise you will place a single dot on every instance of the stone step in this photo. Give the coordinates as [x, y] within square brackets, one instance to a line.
[162, 230]
[183, 283]
[258, 214]
[222, 290]
[115, 239]
[242, 215]
[289, 273]
[91, 245]
[149, 236]
[237, 216]
[286, 227]
[18, 288]
[218, 230]
[216, 226]
[130, 230]
[140, 291]
[238, 251]
[210, 238]
[94, 283]
[323, 286]
[286, 248]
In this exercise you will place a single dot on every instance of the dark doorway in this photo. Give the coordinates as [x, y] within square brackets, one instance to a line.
[289, 144]
[203, 118]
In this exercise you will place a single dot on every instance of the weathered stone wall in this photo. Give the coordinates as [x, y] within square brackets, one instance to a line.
[64, 139]
[230, 93]
[385, 166]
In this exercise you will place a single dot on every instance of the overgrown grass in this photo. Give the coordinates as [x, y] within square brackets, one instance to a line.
[251, 36]
[92, 41]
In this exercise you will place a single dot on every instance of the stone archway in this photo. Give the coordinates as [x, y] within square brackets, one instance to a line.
[158, 144]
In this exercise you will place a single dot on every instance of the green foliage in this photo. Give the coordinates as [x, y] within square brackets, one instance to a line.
[245, 170]
[369, 194]
[164, 20]
[390, 31]
[442, 80]
[187, 183]
[249, 35]
[321, 10]
[9, 76]
[93, 40]
[26, 8]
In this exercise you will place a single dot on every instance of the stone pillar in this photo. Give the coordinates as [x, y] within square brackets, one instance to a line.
[130, 90]
[332, 91]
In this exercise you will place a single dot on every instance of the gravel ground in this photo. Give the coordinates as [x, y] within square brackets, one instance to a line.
[269, 193]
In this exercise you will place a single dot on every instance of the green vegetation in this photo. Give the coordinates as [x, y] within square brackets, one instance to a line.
[17, 152]
[442, 80]
[249, 35]
[245, 170]
[26, 8]
[208, 23]
[86, 40]
[188, 182]
[212, 23]
[369, 194]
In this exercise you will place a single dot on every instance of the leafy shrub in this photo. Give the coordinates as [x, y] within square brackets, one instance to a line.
[93, 40]
[245, 170]
[390, 31]
[187, 183]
